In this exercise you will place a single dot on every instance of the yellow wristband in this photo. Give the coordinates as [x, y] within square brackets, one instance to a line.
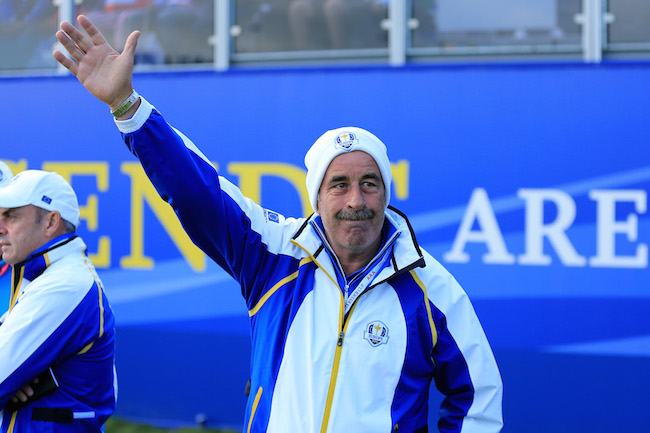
[128, 103]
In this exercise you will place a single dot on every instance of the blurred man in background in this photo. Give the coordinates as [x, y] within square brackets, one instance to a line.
[5, 272]
[60, 327]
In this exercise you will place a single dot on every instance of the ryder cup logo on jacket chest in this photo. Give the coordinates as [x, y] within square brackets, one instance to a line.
[376, 333]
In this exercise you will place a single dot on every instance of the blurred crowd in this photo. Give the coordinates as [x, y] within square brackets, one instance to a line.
[182, 31]
[25, 28]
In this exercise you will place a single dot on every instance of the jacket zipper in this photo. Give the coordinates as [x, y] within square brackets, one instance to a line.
[343, 319]
[335, 366]
[12, 423]
[16, 281]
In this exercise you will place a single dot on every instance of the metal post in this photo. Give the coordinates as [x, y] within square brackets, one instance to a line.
[221, 41]
[396, 26]
[66, 13]
[593, 20]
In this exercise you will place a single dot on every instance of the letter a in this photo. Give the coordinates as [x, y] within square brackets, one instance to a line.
[480, 210]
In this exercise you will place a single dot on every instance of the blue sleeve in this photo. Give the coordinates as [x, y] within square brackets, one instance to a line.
[230, 228]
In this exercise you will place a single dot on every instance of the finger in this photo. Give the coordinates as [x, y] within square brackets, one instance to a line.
[72, 48]
[95, 35]
[131, 43]
[14, 399]
[69, 45]
[78, 38]
[21, 395]
[71, 65]
[72, 39]
[28, 390]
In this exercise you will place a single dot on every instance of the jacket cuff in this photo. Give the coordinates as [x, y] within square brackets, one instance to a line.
[139, 118]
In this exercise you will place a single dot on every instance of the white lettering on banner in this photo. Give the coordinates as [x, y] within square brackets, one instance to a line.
[607, 227]
[536, 230]
[480, 211]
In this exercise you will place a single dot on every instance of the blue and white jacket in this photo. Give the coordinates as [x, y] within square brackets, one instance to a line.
[321, 362]
[5, 277]
[58, 318]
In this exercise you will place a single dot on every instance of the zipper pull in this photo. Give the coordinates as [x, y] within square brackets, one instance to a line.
[340, 342]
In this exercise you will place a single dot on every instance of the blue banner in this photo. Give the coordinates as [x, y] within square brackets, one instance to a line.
[528, 182]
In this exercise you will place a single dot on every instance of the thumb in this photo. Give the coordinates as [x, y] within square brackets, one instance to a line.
[131, 43]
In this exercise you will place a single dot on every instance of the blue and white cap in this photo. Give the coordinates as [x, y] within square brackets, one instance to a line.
[5, 174]
[336, 142]
[44, 189]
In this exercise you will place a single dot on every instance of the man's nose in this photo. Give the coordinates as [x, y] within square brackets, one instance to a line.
[356, 199]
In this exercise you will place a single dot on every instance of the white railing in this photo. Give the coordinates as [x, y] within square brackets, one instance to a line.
[400, 26]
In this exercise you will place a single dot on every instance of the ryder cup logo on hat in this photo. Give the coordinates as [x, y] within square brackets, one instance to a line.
[5, 174]
[345, 140]
[336, 142]
[44, 189]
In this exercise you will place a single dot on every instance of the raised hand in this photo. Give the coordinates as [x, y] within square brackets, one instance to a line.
[102, 70]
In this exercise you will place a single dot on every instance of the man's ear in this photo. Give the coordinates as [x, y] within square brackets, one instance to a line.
[53, 223]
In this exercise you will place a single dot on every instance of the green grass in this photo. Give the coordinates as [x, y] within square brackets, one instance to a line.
[118, 425]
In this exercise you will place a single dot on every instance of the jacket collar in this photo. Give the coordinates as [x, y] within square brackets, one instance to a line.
[406, 251]
[36, 263]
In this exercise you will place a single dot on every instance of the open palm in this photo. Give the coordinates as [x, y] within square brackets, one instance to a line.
[102, 70]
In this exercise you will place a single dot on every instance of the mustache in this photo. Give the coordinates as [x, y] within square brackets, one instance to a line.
[356, 215]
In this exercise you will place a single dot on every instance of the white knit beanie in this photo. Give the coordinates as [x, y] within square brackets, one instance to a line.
[334, 143]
